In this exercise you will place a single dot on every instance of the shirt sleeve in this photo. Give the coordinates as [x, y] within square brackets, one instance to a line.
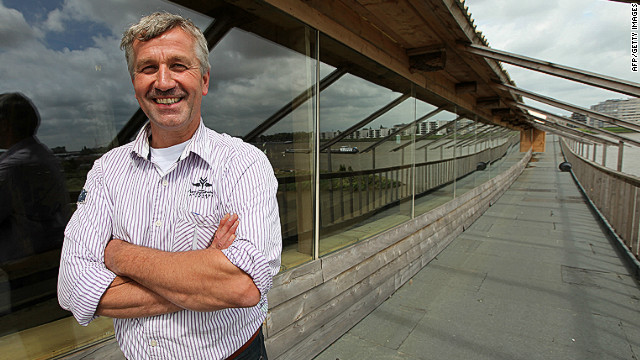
[251, 193]
[83, 277]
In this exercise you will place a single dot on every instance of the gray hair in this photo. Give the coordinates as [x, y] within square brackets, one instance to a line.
[156, 24]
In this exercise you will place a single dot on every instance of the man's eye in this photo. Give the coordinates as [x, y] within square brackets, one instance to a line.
[148, 69]
[179, 67]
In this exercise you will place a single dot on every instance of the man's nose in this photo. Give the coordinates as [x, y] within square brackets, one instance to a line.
[164, 79]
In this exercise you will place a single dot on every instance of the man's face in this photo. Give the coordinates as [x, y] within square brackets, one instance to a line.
[169, 85]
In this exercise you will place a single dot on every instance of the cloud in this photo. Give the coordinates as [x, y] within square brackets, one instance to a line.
[589, 35]
[14, 30]
[55, 21]
[84, 95]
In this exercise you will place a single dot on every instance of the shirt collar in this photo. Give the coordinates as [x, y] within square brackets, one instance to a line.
[197, 144]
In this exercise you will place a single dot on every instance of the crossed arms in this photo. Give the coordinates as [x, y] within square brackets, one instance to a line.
[152, 282]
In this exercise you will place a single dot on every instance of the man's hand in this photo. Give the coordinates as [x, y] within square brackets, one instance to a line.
[226, 232]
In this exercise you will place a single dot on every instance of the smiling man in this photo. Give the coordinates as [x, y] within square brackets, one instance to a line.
[176, 235]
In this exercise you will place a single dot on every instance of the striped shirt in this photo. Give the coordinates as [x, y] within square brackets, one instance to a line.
[125, 198]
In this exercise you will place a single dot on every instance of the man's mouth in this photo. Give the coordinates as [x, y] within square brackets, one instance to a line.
[167, 101]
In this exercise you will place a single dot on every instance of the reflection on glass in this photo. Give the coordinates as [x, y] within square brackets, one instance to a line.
[262, 91]
[33, 215]
[434, 160]
[365, 187]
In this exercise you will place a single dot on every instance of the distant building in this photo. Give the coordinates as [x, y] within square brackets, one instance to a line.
[381, 132]
[626, 110]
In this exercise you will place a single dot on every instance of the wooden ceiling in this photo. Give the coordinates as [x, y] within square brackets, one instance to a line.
[416, 40]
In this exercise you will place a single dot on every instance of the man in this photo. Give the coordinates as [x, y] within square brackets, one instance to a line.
[34, 208]
[33, 196]
[141, 247]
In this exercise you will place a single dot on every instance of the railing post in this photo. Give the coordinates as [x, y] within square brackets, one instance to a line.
[620, 151]
[373, 158]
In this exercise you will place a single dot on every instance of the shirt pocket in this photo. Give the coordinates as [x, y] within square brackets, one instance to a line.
[194, 231]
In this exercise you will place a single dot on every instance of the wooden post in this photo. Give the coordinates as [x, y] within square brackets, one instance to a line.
[373, 158]
[620, 151]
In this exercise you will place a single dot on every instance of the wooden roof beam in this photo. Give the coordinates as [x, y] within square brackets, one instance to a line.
[566, 72]
[570, 107]
[489, 102]
[468, 87]
[556, 119]
[427, 58]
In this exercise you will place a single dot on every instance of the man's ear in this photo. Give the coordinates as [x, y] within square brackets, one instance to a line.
[205, 83]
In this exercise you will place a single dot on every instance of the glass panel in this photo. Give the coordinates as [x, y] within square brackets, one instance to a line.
[434, 161]
[365, 187]
[468, 158]
[253, 83]
[65, 57]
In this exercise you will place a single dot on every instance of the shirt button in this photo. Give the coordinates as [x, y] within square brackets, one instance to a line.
[158, 223]
[153, 343]
[165, 182]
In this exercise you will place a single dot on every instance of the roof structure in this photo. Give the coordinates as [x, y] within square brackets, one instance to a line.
[419, 40]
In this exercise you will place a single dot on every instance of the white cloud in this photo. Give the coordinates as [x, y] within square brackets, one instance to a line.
[590, 35]
[14, 30]
[55, 21]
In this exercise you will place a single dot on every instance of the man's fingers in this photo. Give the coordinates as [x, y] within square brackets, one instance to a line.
[225, 234]
[227, 223]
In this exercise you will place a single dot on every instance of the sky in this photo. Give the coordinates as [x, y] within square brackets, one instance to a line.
[592, 35]
[64, 54]
[66, 57]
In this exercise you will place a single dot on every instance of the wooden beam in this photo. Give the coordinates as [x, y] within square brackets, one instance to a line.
[466, 87]
[565, 129]
[566, 72]
[570, 107]
[421, 59]
[561, 133]
[579, 124]
[489, 102]
[502, 112]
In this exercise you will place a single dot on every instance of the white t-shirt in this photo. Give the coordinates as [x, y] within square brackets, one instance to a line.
[164, 158]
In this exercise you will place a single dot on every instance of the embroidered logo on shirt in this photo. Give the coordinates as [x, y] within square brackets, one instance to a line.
[82, 197]
[202, 189]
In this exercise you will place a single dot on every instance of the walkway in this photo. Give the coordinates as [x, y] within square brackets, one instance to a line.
[535, 277]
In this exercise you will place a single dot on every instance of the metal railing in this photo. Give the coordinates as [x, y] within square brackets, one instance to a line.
[348, 197]
[614, 194]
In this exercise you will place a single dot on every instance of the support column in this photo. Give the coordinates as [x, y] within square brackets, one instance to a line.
[532, 138]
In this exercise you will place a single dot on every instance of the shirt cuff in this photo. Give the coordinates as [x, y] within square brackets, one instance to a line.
[249, 259]
[87, 292]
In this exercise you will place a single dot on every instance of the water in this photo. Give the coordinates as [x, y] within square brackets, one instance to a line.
[630, 156]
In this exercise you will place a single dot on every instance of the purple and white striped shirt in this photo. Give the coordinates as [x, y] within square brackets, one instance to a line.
[125, 198]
